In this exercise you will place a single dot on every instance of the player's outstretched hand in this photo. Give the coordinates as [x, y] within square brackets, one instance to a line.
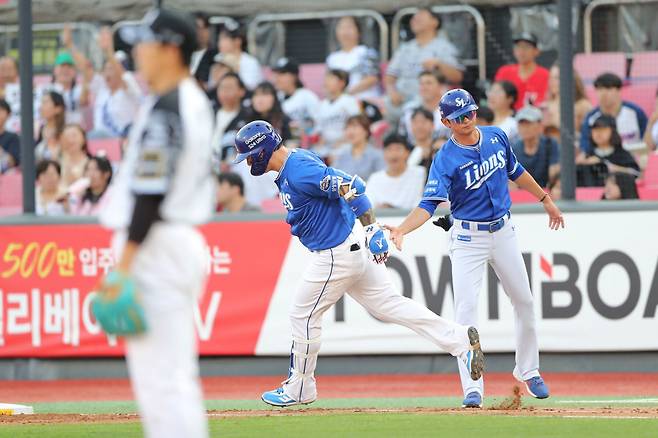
[555, 218]
[396, 236]
[376, 241]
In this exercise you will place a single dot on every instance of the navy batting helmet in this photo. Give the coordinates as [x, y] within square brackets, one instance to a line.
[456, 103]
[258, 140]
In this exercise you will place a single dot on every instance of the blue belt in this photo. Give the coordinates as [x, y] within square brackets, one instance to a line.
[491, 227]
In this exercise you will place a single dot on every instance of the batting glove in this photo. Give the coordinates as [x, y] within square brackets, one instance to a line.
[377, 243]
[444, 222]
[116, 306]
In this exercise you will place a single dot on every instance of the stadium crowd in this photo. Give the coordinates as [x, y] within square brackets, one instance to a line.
[382, 125]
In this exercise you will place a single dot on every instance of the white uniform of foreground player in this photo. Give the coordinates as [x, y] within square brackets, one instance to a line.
[168, 162]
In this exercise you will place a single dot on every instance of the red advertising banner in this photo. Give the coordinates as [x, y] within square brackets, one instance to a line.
[48, 274]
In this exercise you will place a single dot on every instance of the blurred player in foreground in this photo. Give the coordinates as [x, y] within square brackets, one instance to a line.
[323, 204]
[163, 190]
[471, 171]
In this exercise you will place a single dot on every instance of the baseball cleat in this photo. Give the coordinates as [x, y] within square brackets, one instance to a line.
[278, 397]
[472, 400]
[537, 387]
[475, 356]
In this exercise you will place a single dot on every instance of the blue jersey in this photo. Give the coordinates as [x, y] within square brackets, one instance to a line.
[309, 190]
[473, 178]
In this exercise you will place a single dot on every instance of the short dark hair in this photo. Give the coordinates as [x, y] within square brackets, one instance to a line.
[5, 106]
[485, 113]
[423, 112]
[341, 75]
[360, 119]
[436, 74]
[233, 180]
[43, 165]
[510, 90]
[397, 139]
[203, 17]
[607, 80]
[234, 75]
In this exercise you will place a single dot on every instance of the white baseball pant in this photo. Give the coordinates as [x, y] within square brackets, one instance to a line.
[170, 273]
[470, 250]
[331, 274]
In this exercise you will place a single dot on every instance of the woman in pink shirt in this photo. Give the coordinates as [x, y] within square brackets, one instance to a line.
[98, 174]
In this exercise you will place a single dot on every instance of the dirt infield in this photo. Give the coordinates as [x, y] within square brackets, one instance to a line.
[375, 386]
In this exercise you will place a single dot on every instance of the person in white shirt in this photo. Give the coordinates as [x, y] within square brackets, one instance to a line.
[432, 85]
[334, 110]
[10, 91]
[297, 102]
[202, 58]
[230, 117]
[399, 185]
[501, 98]
[231, 41]
[362, 62]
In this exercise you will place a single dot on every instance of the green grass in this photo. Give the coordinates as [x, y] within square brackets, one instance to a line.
[371, 425]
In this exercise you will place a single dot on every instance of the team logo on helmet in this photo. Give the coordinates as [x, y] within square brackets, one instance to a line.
[255, 140]
[460, 102]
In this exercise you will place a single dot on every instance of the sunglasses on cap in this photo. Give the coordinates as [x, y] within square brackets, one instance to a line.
[468, 116]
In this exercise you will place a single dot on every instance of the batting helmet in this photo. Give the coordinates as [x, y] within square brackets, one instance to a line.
[258, 140]
[455, 103]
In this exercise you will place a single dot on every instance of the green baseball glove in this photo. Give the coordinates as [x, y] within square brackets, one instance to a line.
[116, 306]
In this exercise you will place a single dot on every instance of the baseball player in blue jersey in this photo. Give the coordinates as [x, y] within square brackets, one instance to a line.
[471, 171]
[323, 204]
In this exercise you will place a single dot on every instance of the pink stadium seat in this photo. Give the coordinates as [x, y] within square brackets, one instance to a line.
[651, 171]
[645, 65]
[590, 65]
[11, 211]
[642, 94]
[521, 197]
[312, 75]
[272, 206]
[589, 193]
[11, 189]
[109, 147]
[378, 130]
[648, 193]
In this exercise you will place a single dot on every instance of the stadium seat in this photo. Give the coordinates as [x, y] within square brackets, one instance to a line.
[651, 171]
[312, 76]
[645, 65]
[11, 211]
[589, 193]
[378, 130]
[109, 147]
[11, 190]
[648, 193]
[272, 206]
[590, 65]
[642, 94]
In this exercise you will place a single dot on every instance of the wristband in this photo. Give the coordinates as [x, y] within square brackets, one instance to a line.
[543, 197]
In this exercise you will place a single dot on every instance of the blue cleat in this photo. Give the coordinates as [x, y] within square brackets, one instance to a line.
[536, 387]
[472, 400]
[278, 397]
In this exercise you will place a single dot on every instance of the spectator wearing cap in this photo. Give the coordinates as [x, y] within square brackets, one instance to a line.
[485, 116]
[539, 155]
[10, 145]
[297, 102]
[651, 133]
[231, 115]
[529, 78]
[202, 58]
[432, 85]
[10, 91]
[230, 194]
[607, 156]
[427, 51]
[631, 121]
[334, 110]
[359, 156]
[91, 192]
[359, 60]
[399, 185]
[424, 135]
[231, 42]
[501, 98]
[582, 105]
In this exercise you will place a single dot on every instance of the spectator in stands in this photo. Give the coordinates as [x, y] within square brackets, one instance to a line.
[581, 104]
[53, 114]
[555, 187]
[501, 99]
[608, 154]
[431, 87]
[427, 51]
[358, 156]
[485, 116]
[266, 106]
[202, 58]
[529, 78]
[297, 102]
[360, 61]
[98, 175]
[231, 42]
[230, 194]
[399, 185]
[620, 186]
[538, 154]
[75, 154]
[222, 65]
[50, 200]
[117, 93]
[10, 91]
[422, 129]
[334, 110]
[631, 120]
[651, 134]
[10, 145]
[231, 115]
